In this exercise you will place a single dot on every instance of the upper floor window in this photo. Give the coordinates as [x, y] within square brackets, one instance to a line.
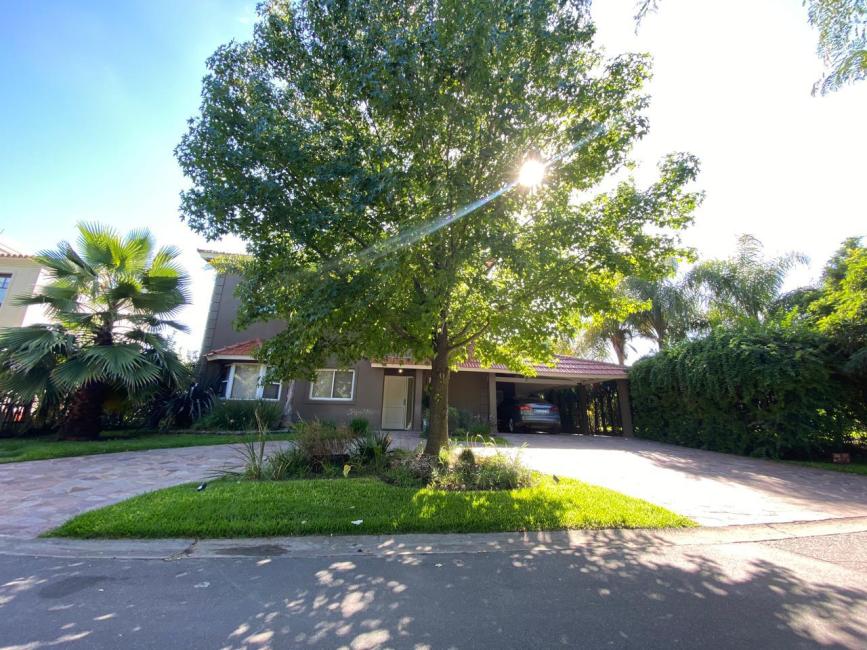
[331, 384]
[5, 281]
[247, 381]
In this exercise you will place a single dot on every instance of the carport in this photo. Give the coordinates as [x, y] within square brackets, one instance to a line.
[593, 396]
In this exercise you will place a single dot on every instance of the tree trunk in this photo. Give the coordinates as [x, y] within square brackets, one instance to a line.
[83, 420]
[438, 436]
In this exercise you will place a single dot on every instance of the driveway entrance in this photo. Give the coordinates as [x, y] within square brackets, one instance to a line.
[713, 489]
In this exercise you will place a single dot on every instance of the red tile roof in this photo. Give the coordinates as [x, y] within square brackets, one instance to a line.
[564, 366]
[242, 349]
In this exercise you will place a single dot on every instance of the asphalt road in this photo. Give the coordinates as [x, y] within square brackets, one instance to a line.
[788, 593]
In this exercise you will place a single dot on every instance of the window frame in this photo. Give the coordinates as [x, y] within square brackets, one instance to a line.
[4, 296]
[260, 385]
[334, 372]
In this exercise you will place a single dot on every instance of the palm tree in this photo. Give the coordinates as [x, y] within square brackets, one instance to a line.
[746, 286]
[596, 338]
[111, 302]
[673, 310]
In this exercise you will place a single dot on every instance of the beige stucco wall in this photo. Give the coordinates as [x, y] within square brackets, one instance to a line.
[26, 275]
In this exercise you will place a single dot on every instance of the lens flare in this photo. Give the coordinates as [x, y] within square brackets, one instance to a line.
[531, 174]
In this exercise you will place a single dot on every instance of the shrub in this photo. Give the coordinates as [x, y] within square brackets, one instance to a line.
[287, 464]
[761, 391]
[496, 471]
[372, 450]
[323, 442]
[359, 426]
[502, 472]
[410, 470]
[479, 429]
[237, 415]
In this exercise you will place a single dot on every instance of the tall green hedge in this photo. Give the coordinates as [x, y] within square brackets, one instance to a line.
[764, 391]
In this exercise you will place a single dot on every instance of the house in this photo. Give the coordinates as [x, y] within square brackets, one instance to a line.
[389, 392]
[20, 274]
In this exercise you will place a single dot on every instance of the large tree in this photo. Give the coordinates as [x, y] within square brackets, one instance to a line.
[347, 141]
[110, 302]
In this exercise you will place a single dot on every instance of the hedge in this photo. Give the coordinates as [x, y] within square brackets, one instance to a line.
[763, 391]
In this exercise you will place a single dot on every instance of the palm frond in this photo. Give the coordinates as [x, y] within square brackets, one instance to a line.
[76, 372]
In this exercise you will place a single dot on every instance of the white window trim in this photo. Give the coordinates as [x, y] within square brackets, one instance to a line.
[260, 386]
[333, 372]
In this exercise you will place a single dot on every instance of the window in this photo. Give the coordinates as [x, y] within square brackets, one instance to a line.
[333, 385]
[247, 381]
[5, 281]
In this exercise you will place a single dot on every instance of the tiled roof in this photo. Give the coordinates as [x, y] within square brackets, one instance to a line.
[242, 349]
[564, 366]
[8, 251]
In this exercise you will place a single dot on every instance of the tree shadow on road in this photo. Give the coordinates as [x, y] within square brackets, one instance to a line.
[636, 594]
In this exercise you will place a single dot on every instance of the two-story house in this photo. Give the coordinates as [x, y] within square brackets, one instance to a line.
[20, 274]
[388, 392]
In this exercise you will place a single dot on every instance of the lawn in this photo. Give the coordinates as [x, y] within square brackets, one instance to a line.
[13, 450]
[326, 506]
[856, 467]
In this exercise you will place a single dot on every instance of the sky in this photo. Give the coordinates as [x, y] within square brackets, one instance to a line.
[95, 95]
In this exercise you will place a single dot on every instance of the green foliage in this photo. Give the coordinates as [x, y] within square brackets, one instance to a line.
[410, 470]
[496, 471]
[743, 288]
[345, 172]
[359, 426]
[842, 26]
[111, 299]
[285, 464]
[371, 450]
[240, 415]
[840, 311]
[323, 442]
[761, 391]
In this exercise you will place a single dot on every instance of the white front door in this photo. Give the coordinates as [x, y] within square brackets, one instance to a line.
[395, 391]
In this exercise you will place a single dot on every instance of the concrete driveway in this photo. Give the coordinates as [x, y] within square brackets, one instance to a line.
[714, 489]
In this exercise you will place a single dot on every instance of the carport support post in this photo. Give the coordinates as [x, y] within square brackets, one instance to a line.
[492, 403]
[583, 424]
[625, 407]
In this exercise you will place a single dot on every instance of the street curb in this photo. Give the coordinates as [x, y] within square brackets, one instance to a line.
[387, 546]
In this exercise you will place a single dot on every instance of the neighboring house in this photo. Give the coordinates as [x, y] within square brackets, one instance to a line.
[19, 276]
[388, 392]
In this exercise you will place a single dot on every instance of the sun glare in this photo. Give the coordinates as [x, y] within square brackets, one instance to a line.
[532, 172]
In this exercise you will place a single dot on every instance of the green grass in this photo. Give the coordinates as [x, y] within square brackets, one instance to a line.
[855, 467]
[14, 450]
[323, 506]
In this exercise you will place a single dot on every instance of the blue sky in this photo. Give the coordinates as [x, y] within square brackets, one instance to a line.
[96, 94]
